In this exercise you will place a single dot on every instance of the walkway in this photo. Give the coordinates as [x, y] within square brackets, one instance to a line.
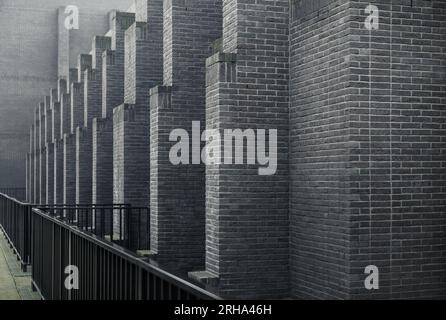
[14, 283]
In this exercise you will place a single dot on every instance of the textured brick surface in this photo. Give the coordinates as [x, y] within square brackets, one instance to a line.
[397, 134]
[43, 130]
[102, 161]
[177, 192]
[143, 70]
[58, 171]
[361, 177]
[69, 167]
[77, 106]
[319, 140]
[367, 132]
[30, 50]
[247, 213]
[112, 96]
[50, 173]
[113, 64]
[84, 162]
[65, 114]
[36, 158]
[33, 162]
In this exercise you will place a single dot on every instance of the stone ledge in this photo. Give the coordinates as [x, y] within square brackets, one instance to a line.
[204, 277]
[146, 254]
[221, 57]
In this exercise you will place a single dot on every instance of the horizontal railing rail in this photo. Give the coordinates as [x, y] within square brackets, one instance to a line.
[106, 271]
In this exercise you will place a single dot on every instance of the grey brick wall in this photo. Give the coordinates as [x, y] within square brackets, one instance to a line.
[397, 134]
[77, 105]
[247, 213]
[43, 130]
[77, 92]
[92, 96]
[47, 140]
[113, 64]
[58, 163]
[177, 192]
[69, 167]
[65, 114]
[112, 83]
[28, 178]
[143, 70]
[319, 159]
[102, 179]
[62, 88]
[84, 162]
[48, 119]
[58, 150]
[50, 173]
[361, 176]
[56, 121]
[367, 128]
[32, 147]
[42, 156]
[112, 96]
[36, 157]
[73, 76]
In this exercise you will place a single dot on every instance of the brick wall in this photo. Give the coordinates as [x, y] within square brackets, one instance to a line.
[92, 96]
[37, 150]
[366, 132]
[84, 162]
[77, 105]
[143, 70]
[65, 114]
[247, 213]
[32, 147]
[43, 130]
[69, 167]
[319, 144]
[177, 192]
[102, 179]
[58, 171]
[397, 135]
[50, 173]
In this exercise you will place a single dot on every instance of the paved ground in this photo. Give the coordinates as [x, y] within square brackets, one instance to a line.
[14, 284]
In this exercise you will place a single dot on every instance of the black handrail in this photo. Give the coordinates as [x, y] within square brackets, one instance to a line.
[107, 271]
[15, 221]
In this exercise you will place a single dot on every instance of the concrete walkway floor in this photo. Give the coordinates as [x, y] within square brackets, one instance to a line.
[14, 283]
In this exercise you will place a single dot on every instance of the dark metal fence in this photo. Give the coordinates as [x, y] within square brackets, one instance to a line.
[119, 223]
[53, 238]
[106, 271]
[15, 221]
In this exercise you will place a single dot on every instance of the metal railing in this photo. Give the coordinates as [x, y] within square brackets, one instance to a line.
[106, 271]
[53, 238]
[119, 223]
[15, 221]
